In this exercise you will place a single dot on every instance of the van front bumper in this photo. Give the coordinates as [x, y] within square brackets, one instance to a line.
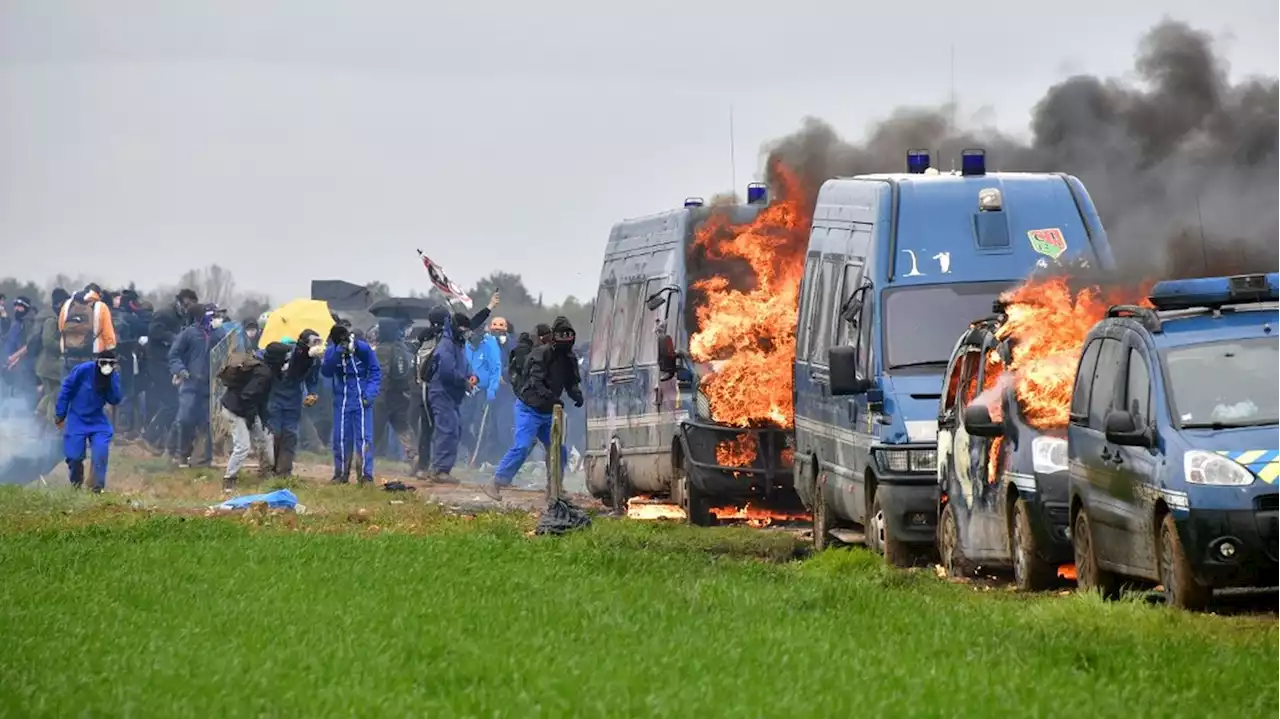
[910, 504]
[1251, 558]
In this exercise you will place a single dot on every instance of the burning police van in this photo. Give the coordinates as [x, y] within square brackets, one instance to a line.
[1172, 441]
[897, 264]
[684, 329]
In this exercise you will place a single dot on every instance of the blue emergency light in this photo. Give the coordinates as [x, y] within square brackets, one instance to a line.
[693, 202]
[973, 162]
[756, 193]
[917, 161]
[1214, 292]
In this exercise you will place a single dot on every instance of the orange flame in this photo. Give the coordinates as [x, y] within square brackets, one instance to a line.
[750, 334]
[757, 516]
[1067, 571]
[737, 452]
[648, 508]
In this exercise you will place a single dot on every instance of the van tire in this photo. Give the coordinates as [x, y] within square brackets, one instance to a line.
[1089, 576]
[698, 505]
[950, 554]
[1181, 589]
[896, 553]
[615, 483]
[823, 522]
[1031, 573]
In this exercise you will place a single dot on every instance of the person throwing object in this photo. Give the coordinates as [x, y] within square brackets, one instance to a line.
[79, 413]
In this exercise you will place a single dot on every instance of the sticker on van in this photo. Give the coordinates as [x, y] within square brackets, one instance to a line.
[1048, 242]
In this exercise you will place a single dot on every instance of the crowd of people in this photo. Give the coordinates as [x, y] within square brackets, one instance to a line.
[451, 392]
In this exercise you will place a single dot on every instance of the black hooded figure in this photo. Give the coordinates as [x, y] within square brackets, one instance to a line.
[393, 405]
[551, 370]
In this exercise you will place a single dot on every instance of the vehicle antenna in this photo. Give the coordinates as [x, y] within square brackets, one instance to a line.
[733, 156]
[1204, 252]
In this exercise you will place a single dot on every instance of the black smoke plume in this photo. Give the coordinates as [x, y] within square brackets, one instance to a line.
[1183, 166]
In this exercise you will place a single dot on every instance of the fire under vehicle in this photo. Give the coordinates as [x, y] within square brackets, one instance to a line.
[898, 264]
[1172, 449]
[650, 429]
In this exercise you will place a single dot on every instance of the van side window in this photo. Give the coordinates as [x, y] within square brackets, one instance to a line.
[647, 337]
[1106, 377]
[1084, 377]
[1138, 388]
[603, 314]
[825, 297]
[806, 304]
[852, 278]
[627, 306]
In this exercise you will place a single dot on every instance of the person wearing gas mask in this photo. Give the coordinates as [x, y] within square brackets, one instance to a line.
[353, 371]
[244, 406]
[80, 413]
[549, 371]
[294, 389]
[189, 365]
[393, 404]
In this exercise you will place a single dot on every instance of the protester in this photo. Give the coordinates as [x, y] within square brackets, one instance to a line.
[189, 364]
[46, 346]
[18, 370]
[449, 380]
[166, 325]
[129, 330]
[294, 389]
[250, 331]
[549, 371]
[353, 371]
[392, 407]
[424, 363]
[244, 405]
[86, 391]
[484, 353]
[86, 327]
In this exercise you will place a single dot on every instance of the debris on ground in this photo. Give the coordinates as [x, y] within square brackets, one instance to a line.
[279, 499]
[562, 516]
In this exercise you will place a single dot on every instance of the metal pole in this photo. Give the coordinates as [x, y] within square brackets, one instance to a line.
[555, 478]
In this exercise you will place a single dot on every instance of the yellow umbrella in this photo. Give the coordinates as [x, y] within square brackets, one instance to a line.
[291, 319]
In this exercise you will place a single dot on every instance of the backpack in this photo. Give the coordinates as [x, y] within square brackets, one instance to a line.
[427, 360]
[77, 329]
[396, 364]
[236, 372]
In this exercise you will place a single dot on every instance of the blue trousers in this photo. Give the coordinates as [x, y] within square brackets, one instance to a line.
[73, 445]
[446, 414]
[193, 413]
[531, 426]
[356, 422]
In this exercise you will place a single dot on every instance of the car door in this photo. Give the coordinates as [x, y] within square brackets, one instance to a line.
[1102, 475]
[1134, 486]
[625, 392]
[1084, 443]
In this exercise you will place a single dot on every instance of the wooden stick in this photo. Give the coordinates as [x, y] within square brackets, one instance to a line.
[555, 478]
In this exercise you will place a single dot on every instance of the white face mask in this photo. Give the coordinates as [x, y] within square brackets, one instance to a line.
[502, 339]
[316, 351]
[216, 323]
[106, 368]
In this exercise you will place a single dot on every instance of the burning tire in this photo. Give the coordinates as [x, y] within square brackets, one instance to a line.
[616, 479]
[949, 552]
[1031, 573]
[697, 505]
[1180, 586]
[896, 553]
[1089, 576]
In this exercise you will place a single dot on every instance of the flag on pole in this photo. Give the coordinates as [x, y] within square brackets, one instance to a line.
[443, 283]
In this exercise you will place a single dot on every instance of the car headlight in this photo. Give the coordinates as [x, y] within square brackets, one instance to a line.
[1049, 454]
[921, 461]
[1209, 468]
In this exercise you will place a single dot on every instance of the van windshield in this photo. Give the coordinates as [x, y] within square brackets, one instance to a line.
[921, 323]
[1244, 389]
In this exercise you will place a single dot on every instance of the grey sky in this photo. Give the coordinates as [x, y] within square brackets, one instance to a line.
[302, 139]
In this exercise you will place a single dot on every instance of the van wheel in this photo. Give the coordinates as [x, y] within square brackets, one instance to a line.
[615, 483]
[1089, 576]
[1180, 586]
[949, 551]
[823, 522]
[896, 553]
[1030, 572]
[698, 506]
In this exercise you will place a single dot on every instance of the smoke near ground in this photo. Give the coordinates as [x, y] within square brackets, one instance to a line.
[1183, 155]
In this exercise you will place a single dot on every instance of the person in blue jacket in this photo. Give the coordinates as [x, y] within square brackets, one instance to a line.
[294, 389]
[450, 379]
[353, 370]
[485, 355]
[189, 364]
[86, 391]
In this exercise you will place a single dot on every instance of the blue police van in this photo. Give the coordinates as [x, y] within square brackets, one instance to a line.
[898, 264]
[1172, 441]
[649, 429]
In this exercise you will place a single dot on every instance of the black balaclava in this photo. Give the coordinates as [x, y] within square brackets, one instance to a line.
[102, 382]
[563, 335]
[21, 306]
[300, 361]
[59, 298]
[461, 327]
[275, 356]
[543, 332]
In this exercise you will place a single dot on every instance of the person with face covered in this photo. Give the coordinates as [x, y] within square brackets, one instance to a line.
[393, 404]
[18, 368]
[294, 388]
[189, 365]
[46, 346]
[353, 370]
[251, 332]
[80, 413]
[551, 370]
[244, 406]
[450, 379]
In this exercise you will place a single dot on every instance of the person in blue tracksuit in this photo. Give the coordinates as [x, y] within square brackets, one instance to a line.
[353, 370]
[294, 389]
[85, 393]
[450, 378]
[485, 356]
[189, 364]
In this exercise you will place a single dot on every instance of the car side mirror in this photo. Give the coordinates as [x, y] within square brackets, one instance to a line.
[656, 301]
[978, 422]
[1122, 429]
[842, 364]
[666, 356]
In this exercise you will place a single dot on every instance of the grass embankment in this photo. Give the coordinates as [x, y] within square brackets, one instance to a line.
[406, 610]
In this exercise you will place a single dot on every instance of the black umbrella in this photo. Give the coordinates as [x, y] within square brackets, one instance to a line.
[405, 308]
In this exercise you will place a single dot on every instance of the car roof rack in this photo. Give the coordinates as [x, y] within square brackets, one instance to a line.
[1145, 315]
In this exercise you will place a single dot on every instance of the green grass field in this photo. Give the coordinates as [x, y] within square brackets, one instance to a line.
[408, 611]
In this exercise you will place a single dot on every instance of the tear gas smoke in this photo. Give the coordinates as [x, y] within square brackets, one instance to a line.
[28, 447]
[1183, 156]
